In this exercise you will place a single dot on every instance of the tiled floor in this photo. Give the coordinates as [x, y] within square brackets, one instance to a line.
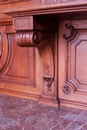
[22, 114]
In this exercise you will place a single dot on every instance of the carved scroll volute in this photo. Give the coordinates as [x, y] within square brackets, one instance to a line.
[27, 39]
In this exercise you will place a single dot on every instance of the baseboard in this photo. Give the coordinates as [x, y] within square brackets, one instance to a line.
[73, 104]
[48, 102]
[20, 94]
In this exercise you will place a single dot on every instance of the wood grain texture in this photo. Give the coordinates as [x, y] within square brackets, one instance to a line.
[49, 60]
[56, 8]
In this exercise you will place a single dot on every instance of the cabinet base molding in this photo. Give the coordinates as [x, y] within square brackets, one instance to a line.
[34, 97]
[53, 103]
[73, 104]
[20, 94]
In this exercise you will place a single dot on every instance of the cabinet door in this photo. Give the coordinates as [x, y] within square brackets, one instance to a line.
[73, 64]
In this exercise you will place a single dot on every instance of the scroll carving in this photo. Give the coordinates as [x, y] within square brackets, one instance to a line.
[72, 32]
[27, 39]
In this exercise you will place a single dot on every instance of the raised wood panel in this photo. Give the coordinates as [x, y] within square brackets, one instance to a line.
[21, 62]
[77, 61]
[73, 64]
[81, 62]
[18, 68]
[21, 67]
[17, 65]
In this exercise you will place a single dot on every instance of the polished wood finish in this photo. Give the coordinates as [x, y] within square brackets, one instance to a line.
[43, 51]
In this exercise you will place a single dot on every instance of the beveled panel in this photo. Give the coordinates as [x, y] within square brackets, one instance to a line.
[81, 62]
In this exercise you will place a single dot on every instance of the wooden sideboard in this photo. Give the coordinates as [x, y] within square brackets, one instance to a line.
[43, 48]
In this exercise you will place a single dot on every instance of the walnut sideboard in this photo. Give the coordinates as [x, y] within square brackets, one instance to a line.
[43, 51]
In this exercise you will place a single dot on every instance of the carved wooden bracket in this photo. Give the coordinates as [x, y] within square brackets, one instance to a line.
[30, 33]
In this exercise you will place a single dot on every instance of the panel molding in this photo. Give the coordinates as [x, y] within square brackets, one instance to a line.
[72, 82]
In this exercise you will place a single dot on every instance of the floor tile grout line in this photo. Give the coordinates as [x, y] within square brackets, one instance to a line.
[62, 120]
[81, 126]
[75, 119]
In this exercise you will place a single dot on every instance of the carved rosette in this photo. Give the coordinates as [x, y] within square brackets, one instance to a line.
[66, 89]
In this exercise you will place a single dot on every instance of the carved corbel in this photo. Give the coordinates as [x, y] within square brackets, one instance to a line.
[28, 36]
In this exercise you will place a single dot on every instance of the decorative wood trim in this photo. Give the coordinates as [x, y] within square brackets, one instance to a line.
[28, 39]
[72, 32]
[66, 89]
[48, 82]
[23, 23]
[40, 40]
[69, 84]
